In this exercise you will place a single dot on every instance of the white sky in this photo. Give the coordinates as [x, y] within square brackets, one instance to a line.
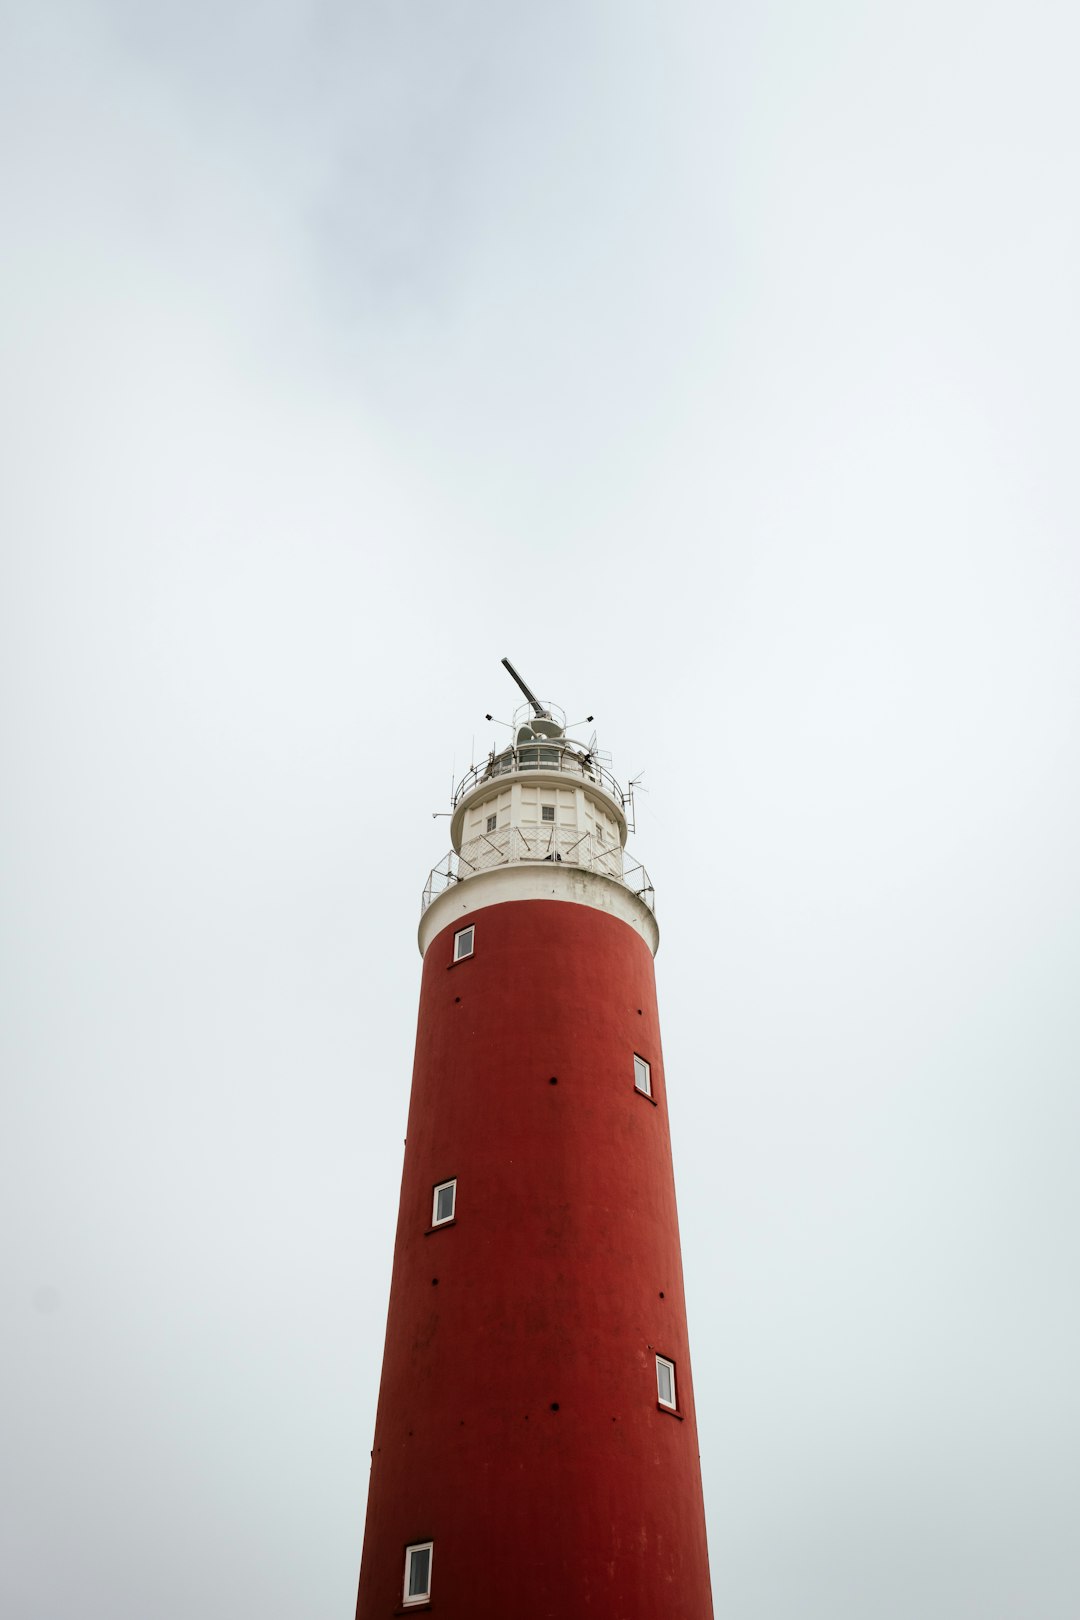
[718, 364]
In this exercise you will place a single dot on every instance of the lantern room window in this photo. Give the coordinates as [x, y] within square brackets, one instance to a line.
[463, 943]
[547, 812]
[665, 1383]
[492, 823]
[418, 1572]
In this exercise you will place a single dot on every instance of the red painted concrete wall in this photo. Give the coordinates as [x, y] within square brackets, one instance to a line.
[518, 1425]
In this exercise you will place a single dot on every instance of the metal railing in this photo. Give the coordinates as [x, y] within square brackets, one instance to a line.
[514, 847]
[554, 755]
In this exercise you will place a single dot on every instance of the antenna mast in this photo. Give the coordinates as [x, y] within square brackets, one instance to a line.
[538, 710]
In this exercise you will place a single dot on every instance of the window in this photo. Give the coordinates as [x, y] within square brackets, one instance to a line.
[665, 1383]
[418, 1572]
[463, 943]
[443, 1202]
[492, 823]
[535, 759]
[547, 812]
[642, 1076]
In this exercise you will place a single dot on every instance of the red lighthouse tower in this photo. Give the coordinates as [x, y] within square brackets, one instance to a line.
[536, 1450]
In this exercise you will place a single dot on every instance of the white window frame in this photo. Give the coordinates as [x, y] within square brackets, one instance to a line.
[441, 1187]
[544, 816]
[464, 943]
[673, 1404]
[492, 823]
[408, 1599]
[642, 1072]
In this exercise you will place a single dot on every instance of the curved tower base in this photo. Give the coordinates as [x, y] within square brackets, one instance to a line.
[536, 1450]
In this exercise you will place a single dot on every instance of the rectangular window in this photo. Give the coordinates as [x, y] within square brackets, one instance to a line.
[463, 943]
[492, 823]
[443, 1202]
[547, 812]
[665, 1382]
[642, 1076]
[418, 1572]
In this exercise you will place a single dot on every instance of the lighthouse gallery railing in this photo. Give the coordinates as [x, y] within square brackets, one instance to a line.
[553, 755]
[512, 847]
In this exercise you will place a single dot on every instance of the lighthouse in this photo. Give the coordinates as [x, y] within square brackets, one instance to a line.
[535, 1452]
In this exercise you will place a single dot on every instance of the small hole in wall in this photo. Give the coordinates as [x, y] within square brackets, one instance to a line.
[554, 1080]
[457, 998]
[639, 1012]
[661, 1293]
[434, 1282]
[554, 1406]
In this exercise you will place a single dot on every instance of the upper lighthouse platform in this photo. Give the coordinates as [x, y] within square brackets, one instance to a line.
[545, 800]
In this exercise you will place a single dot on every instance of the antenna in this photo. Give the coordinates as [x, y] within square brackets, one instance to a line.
[539, 711]
[628, 800]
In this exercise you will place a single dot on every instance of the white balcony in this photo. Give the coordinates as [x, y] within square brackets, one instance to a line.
[512, 847]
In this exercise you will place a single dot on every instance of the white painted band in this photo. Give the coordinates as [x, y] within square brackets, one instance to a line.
[540, 881]
[493, 785]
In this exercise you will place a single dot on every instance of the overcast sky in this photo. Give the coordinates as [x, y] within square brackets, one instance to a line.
[718, 363]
